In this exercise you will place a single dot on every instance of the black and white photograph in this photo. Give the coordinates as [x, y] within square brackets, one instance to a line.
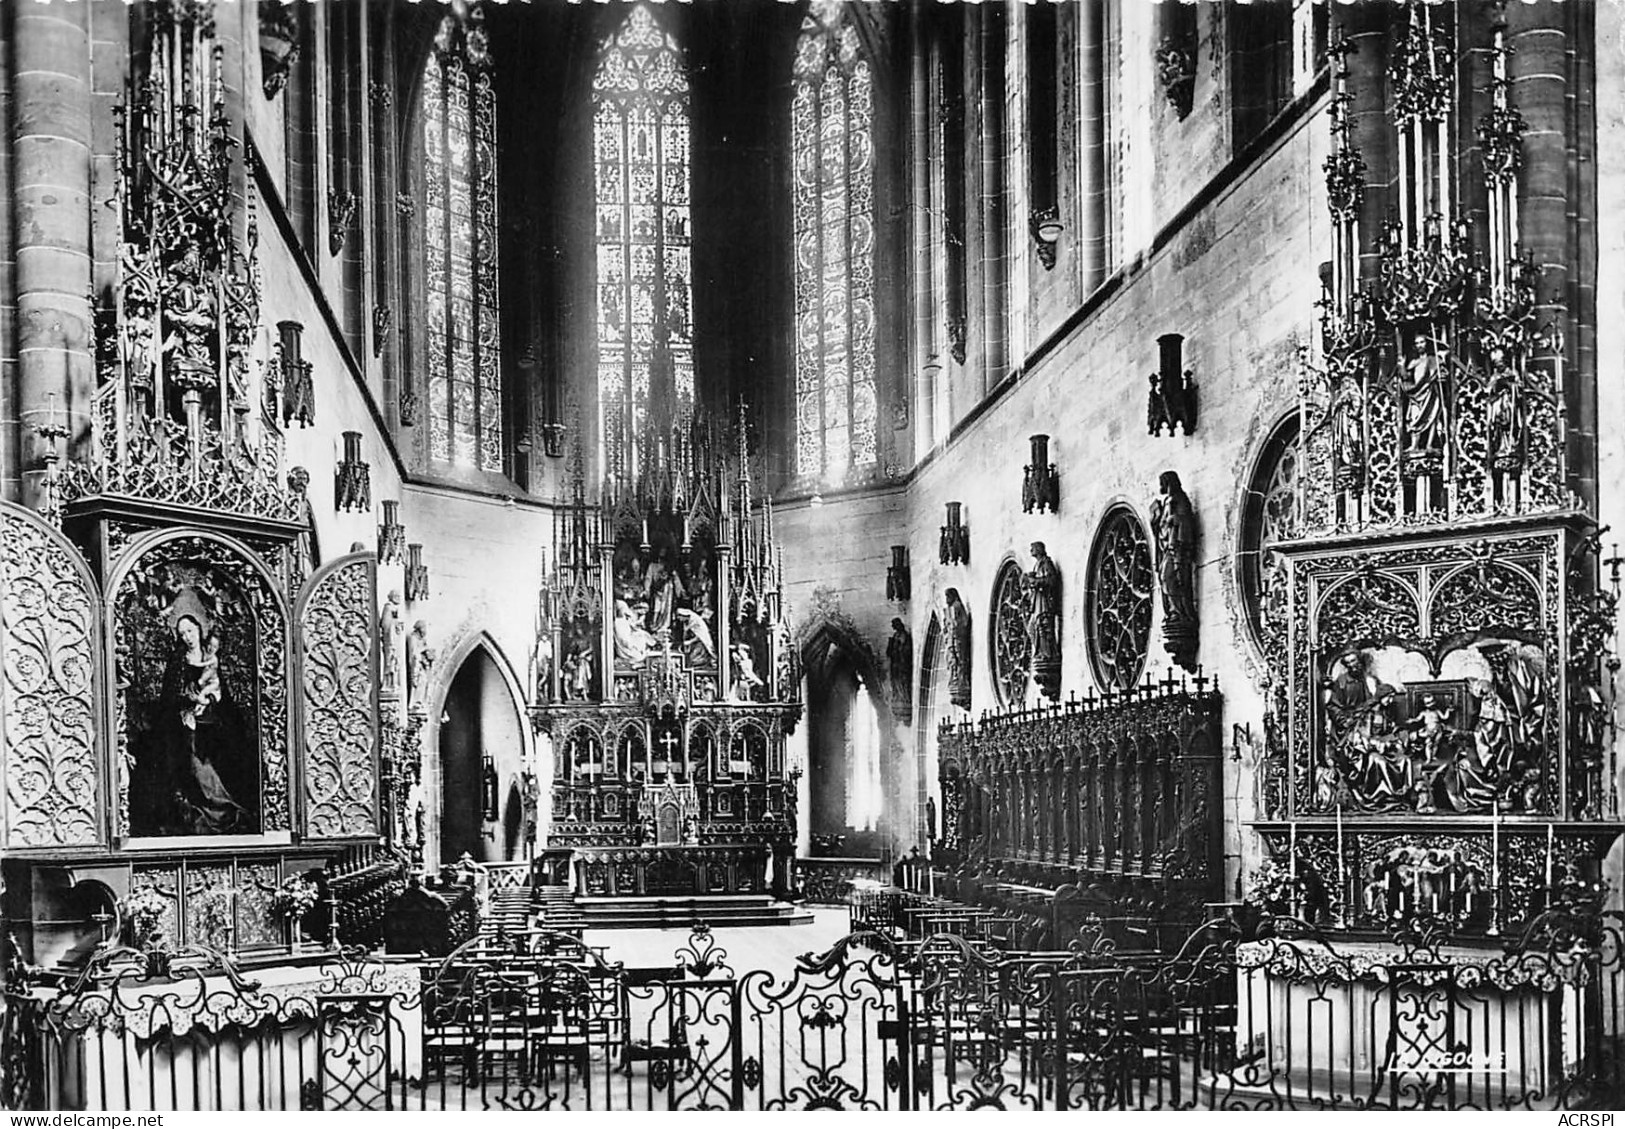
[781, 555]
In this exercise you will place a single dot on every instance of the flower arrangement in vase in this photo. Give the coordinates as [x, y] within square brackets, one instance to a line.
[1276, 889]
[144, 910]
[292, 900]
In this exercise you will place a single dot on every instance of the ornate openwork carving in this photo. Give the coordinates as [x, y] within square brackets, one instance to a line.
[1007, 637]
[200, 642]
[1126, 787]
[1269, 516]
[1118, 611]
[339, 714]
[175, 350]
[49, 643]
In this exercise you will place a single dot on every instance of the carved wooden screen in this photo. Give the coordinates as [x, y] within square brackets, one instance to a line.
[49, 661]
[338, 680]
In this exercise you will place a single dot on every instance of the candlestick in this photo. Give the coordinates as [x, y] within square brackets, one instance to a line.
[1292, 862]
[1342, 869]
[1495, 847]
[1551, 834]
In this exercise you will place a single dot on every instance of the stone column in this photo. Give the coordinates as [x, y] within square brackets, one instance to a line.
[51, 201]
[1543, 93]
[1369, 28]
[990, 61]
[925, 344]
[1092, 147]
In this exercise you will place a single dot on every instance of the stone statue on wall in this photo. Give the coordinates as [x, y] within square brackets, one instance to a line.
[302, 553]
[542, 665]
[1043, 586]
[746, 682]
[956, 621]
[418, 660]
[1426, 415]
[391, 636]
[1507, 419]
[900, 671]
[1174, 520]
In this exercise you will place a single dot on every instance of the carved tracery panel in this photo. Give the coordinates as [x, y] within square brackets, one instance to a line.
[1119, 606]
[339, 683]
[1008, 637]
[48, 658]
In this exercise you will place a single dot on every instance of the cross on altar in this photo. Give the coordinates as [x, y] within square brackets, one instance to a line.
[667, 741]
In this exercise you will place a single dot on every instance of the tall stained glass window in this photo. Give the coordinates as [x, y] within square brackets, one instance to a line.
[831, 119]
[460, 248]
[645, 323]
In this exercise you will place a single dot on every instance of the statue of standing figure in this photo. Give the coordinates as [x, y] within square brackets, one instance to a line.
[391, 635]
[1174, 520]
[900, 671]
[419, 658]
[1422, 386]
[957, 625]
[1043, 585]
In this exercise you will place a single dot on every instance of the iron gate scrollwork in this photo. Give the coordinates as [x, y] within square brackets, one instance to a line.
[1261, 1015]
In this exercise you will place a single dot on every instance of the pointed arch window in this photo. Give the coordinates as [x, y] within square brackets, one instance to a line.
[458, 116]
[832, 147]
[641, 185]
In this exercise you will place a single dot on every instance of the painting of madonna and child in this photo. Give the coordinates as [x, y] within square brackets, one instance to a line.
[189, 652]
[1400, 736]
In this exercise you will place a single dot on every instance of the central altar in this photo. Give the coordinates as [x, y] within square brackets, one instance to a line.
[665, 682]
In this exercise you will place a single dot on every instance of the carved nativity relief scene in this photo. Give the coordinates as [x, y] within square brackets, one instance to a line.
[1436, 620]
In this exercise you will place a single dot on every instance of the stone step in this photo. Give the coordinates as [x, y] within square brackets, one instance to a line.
[682, 912]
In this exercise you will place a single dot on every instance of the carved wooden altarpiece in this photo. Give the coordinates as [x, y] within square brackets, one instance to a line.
[1436, 627]
[675, 685]
[184, 712]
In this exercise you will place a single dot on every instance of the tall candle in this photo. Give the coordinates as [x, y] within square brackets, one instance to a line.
[1292, 862]
[1550, 836]
[1495, 868]
[1342, 866]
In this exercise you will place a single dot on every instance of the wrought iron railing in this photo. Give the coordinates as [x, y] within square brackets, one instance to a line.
[1284, 1019]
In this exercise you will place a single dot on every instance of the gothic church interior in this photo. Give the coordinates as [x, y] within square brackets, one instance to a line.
[1095, 522]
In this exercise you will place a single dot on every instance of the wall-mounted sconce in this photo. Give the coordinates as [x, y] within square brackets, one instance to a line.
[352, 488]
[1041, 486]
[1047, 230]
[391, 534]
[341, 209]
[417, 574]
[383, 320]
[553, 440]
[932, 370]
[406, 404]
[955, 547]
[488, 789]
[279, 44]
[1172, 400]
[956, 338]
[1176, 73]
[298, 386]
[897, 574]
